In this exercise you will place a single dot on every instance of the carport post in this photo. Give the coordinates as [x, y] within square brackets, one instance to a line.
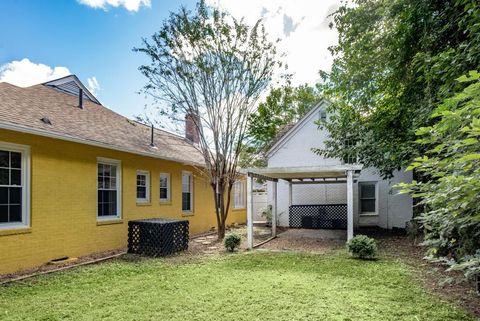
[349, 204]
[289, 194]
[250, 212]
[274, 210]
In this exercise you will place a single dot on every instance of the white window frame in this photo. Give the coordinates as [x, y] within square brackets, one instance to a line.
[147, 187]
[239, 195]
[118, 164]
[322, 115]
[360, 199]
[167, 176]
[191, 192]
[24, 150]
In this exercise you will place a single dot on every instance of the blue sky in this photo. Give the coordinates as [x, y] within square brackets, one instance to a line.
[89, 42]
[94, 39]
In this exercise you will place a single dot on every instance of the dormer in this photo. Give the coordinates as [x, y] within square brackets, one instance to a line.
[72, 86]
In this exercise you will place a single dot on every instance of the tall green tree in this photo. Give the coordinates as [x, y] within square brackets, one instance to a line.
[283, 106]
[211, 68]
[394, 62]
[451, 195]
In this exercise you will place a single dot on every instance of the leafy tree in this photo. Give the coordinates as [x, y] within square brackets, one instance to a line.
[283, 106]
[451, 196]
[394, 62]
[213, 68]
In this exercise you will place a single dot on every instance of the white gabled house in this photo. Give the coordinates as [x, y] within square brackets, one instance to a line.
[310, 191]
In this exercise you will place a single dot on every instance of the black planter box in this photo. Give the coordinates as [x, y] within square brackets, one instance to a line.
[157, 236]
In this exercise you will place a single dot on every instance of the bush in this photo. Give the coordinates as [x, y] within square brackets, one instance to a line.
[362, 247]
[232, 241]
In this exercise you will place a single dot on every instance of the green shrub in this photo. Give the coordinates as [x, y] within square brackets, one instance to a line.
[362, 247]
[232, 241]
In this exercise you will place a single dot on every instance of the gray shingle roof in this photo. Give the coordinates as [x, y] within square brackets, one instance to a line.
[22, 108]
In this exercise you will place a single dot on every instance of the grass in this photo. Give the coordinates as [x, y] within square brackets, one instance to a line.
[243, 286]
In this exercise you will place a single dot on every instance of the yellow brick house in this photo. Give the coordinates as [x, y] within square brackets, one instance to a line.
[73, 173]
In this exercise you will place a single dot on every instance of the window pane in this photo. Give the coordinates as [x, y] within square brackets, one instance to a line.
[186, 201]
[113, 183]
[3, 213]
[163, 193]
[106, 210]
[106, 196]
[15, 195]
[113, 170]
[4, 173]
[15, 177]
[100, 169]
[3, 195]
[163, 181]
[186, 182]
[367, 191]
[100, 182]
[367, 206]
[4, 158]
[141, 192]
[15, 160]
[106, 170]
[100, 196]
[15, 213]
[106, 182]
[100, 209]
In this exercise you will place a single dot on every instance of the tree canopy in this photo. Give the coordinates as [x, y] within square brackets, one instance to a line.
[283, 106]
[211, 68]
[394, 62]
[451, 195]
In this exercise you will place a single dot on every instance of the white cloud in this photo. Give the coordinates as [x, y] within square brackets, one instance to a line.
[25, 73]
[130, 5]
[301, 25]
[92, 85]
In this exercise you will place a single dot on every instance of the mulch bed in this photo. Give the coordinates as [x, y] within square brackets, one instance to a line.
[52, 267]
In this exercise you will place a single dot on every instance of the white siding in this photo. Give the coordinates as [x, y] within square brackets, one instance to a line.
[393, 210]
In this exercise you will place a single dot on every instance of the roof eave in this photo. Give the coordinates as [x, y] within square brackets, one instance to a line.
[74, 139]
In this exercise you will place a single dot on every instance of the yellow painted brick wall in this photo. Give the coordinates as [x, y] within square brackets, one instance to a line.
[63, 202]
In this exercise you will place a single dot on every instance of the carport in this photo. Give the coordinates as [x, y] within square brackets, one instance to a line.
[328, 174]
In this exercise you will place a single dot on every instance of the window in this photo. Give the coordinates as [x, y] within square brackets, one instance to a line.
[108, 189]
[239, 194]
[143, 186]
[187, 192]
[14, 186]
[368, 198]
[350, 156]
[322, 115]
[164, 187]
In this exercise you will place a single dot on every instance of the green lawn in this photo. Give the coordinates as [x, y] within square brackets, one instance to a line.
[243, 286]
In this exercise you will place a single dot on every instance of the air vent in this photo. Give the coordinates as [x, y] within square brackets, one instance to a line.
[45, 120]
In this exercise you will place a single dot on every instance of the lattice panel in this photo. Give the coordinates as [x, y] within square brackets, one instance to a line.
[329, 216]
[157, 237]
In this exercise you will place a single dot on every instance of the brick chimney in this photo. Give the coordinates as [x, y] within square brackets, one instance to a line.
[192, 124]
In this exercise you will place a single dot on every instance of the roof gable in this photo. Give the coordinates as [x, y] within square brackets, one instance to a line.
[72, 85]
[295, 128]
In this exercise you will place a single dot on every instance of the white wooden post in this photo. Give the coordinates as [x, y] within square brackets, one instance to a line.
[289, 194]
[274, 210]
[250, 212]
[349, 204]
